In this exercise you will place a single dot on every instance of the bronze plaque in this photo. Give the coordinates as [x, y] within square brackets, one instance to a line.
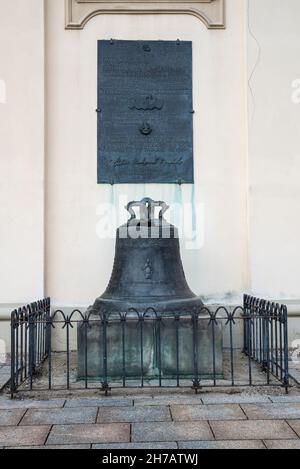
[145, 112]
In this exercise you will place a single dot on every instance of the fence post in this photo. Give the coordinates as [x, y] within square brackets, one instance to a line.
[31, 321]
[263, 312]
[286, 350]
[12, 356]
[48, 329]
[196, 382]
[105, 386]
[245, 324]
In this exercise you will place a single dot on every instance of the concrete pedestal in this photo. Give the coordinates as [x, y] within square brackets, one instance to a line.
[134, 349]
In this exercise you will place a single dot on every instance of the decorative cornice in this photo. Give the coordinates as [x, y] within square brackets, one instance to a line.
[210, 12]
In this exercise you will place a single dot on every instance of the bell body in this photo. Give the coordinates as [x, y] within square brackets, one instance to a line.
[148, 272]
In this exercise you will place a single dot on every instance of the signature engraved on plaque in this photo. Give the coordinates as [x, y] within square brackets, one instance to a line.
[158, 161]
[145, 162]
[150, 103]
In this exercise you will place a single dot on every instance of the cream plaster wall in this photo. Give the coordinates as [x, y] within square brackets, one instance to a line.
[246, 166]
[78, 262]
[274, 148]
[21, 150]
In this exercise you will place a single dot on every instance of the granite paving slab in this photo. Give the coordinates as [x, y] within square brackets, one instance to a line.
[207, 412]
[285, 399]
[272, 411]
[250, 444]
[5, 368]
[233, 399]
[183, 397]
[171, 431]
[282, 444]
[87, 446]
[295, 424]
[89, 433]
[4, 379]
[30, 404]
[102, 402]
[252, 430]
[60, 416]
[11, 416]
[12, 436]
[154, 445]
[163, 401]
[295, 374]
[134, 414]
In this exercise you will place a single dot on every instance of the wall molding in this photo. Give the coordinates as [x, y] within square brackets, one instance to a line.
[210, 12]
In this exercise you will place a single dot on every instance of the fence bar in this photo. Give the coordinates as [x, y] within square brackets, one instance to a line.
[85, 323]
[196, 382]
[177, 318]
[141, 319]
[13, 354]
[286, 350]
[231, 351]
[123, 322]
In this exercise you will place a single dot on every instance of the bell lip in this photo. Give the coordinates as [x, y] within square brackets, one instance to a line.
[184, 305]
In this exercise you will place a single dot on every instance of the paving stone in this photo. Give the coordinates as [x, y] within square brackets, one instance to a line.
[282, 444]
[295, 374]
[52, 447]
[252, 430]
[30, 404]
[285, 399]
[9, 436]
[60, 416]
[272, 411]
[134, 414]
[4, 379]
[154, 445]
[171, 431]
[11, 416]
[163, 401]
[184, 397]
[221, 444]
[104, 402]
[295, 424]
[233, 399]
[5, 369]
[96, 433]
[207, 412]
[139, 397]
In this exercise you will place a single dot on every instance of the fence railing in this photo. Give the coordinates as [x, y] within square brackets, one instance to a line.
[30, 341]
[266, 336]
[211, 347]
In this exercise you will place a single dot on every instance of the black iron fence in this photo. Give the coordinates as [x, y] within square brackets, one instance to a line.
[266, 337]
[211, 347]
[30, 341]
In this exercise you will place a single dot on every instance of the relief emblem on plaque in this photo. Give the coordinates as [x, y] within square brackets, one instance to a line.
[145, 112]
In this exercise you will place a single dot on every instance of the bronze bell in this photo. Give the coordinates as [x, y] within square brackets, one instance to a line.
[147, 271]
[125, 338]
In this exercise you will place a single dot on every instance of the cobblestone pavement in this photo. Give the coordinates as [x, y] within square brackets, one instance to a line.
[168, 421]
